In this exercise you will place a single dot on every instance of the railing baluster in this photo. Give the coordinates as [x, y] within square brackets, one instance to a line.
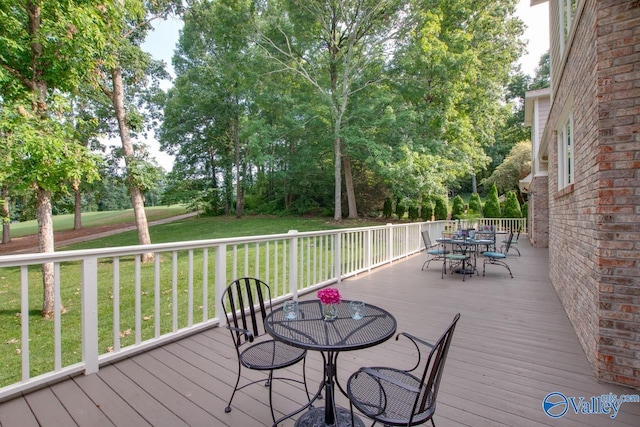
[156, 295]
[205, 284]
[89, 314]
[24, 321]
[138, 299]
[116, 304]
[190, 289]
[57, 339]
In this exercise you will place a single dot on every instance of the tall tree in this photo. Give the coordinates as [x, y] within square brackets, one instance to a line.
[451, 74]
[337, 47]
[47, 48]
[124, 78]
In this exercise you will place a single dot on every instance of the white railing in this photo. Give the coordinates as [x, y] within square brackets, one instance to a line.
[116, 305]
[502, 225]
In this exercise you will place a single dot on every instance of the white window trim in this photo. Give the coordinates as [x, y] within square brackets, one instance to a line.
[566, 152]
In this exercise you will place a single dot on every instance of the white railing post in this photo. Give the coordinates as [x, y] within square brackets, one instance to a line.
[293, 263]
[389, 243]
[89, 314]
[220, 281]
[337, 256]
[367, 249]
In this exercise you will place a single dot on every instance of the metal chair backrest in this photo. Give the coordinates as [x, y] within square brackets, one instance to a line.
[507, 243]
[246, 303]
[426, 239]
[434, 367]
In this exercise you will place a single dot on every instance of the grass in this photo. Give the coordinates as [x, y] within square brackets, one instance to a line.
[220, 227]
[41, 331]
[95, 219]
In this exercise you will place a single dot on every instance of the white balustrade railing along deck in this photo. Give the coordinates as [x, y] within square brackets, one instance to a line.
[116, 305]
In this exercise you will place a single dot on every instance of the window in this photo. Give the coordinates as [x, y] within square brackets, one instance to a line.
[565, 154]
[567, 13]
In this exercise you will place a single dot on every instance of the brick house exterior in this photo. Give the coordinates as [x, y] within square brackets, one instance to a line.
[592, 142]
[536, 184]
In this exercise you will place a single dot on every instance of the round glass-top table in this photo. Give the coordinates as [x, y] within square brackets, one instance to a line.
[311, 331]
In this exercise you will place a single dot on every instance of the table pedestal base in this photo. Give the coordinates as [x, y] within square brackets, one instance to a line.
[315, 418]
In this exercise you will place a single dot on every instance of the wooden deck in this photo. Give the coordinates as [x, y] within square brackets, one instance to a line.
[513, 346]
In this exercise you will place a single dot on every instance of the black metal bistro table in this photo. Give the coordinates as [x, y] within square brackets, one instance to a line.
[312, 332]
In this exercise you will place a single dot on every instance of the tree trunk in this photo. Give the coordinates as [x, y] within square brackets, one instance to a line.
[46, 244]
[6, 223]
[137, 199]
[77, 206]
[348, 182]
[337, 174]
[239, 173]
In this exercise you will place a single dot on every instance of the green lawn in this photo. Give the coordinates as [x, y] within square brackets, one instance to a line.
[94, 219]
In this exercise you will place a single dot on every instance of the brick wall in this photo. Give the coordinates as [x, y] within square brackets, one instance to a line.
[594, 224]
[572, 210]
[539, 212]
[618, 209]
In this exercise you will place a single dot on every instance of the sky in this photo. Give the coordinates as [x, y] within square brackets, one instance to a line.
[161, 43]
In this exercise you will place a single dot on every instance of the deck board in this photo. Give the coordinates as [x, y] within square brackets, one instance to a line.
[513, 345]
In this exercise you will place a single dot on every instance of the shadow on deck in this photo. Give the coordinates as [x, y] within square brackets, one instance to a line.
[513, 346]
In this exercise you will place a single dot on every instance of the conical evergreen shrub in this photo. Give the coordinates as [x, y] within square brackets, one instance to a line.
[492, 205]
[512, 206]
[457, 210]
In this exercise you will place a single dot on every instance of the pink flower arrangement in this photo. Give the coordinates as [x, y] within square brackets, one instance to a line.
[329, 296]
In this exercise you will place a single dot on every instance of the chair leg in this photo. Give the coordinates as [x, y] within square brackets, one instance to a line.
[273, 415]
[304, 377]
[228, 408]
[496, 262]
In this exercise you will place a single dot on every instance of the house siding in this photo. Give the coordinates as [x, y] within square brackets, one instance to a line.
[594, 227]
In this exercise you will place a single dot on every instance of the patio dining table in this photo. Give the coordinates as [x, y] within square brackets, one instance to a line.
[311, 331]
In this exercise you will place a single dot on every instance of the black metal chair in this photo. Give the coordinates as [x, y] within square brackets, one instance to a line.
[395, 397]
[247, 301]
[497, 258]
[513, 241]
[434, 251]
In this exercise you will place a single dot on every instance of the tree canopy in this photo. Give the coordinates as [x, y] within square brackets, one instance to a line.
[305, 105]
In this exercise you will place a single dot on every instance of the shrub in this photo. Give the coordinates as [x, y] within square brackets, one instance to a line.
[387, 209]
[475, 205]
[512, 206]
[400, 210]
[414, 213]
[427, 210]
[492, 205]
[525, 210]
[441, 208]
[457, 210]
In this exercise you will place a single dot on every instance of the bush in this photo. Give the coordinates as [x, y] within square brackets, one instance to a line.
[427, 210]
[525, 210]
[400, 210]
[457, 210]
[441, 209]
[414, 213]
[387, 209]
[475, 205]
[492, 206]
[512, 206]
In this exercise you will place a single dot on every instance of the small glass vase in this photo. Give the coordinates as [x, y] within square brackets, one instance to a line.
[330, 311]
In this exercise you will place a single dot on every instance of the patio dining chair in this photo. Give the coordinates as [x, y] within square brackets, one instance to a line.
[247, 301]
[497, 258]
[434, 251]
[398, 397]
[513, 242]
